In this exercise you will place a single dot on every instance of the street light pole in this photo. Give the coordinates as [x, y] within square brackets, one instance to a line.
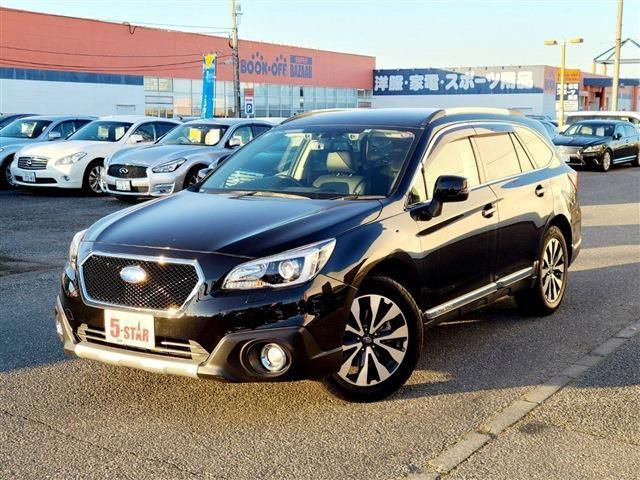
[616, 62]
[236, 61]
[563, 51]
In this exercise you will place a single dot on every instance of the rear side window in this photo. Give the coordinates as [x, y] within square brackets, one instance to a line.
[162, 128]
[498, 156]
[525, 161]
[452, 158]
[541, 153]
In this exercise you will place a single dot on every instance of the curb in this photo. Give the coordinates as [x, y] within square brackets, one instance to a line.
[474, 441]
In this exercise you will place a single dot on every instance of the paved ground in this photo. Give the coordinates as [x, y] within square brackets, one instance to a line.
[71, 418]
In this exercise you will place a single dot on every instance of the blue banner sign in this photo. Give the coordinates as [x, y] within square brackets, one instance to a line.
[434, 81]
[296, 66]
[208, 85]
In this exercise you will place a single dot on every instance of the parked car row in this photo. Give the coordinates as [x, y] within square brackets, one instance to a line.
[126, 156]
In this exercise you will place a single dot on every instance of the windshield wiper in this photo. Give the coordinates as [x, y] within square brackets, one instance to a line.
[358, 197]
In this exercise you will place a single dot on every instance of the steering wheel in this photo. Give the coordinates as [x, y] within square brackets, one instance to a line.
[292, 181]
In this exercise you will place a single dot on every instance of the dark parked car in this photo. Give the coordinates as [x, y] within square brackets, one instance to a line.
[6, 119]
[325, 247]
[599, 144]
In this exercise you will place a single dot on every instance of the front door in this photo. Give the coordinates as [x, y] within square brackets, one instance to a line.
[459, 246]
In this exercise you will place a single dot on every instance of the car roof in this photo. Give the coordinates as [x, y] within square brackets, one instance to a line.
[598, 113]
[601, 121]
[55, 118]
[136, 118]
[226, 121]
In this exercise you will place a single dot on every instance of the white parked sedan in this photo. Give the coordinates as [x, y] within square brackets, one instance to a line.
[79, 161]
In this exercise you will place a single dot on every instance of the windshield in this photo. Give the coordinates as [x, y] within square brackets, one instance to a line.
[317, 162]
[102, 131]
[202, 134]
[25, 128]
[590, 130]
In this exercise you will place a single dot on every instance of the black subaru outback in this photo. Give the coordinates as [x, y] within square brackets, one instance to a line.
[324, 248]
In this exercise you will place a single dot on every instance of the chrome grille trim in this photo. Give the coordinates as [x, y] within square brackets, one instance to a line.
[33, 163]
[159, 259]
[190, 349]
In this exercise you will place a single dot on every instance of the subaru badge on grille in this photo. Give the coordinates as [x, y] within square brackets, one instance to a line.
[133, 274]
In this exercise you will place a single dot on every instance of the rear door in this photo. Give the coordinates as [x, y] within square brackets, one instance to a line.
[523, 191]
[619, 143]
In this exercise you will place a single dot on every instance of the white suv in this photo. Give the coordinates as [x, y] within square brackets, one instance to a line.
[78, 162]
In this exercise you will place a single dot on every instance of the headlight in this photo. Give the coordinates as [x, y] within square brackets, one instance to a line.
[71, 159]
[73, 248]
[169, 166]
[593, 148]
[289, 268]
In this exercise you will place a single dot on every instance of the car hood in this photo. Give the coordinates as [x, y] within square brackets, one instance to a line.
[233, 224]
[578, 141]
[8, 142]
[153, 155]
[69, 147]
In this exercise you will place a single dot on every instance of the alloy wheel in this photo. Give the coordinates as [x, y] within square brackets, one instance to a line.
[606, 161]
[95, 179]
[375, 341]
[553, 271]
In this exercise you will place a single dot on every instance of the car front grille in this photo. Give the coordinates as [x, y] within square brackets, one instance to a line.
[166, 346]
[127, 171]
[168, 285]
[569, 150]
[32, 163]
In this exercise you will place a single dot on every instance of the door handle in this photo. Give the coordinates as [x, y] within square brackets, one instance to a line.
[540, 191]
[488, 210]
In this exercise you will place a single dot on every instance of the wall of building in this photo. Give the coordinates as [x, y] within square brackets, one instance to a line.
[62, 93]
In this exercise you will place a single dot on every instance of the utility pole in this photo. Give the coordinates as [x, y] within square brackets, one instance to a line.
[236, 60]
[616, 62]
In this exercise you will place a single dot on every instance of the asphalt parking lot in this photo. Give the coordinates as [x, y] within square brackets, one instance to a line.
[64, 418]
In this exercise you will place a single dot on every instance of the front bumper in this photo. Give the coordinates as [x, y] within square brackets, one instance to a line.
[153, 185]
[578, 157]
[64, 176]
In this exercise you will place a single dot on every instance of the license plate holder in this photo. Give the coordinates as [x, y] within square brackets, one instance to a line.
[29, 177]
[123, 185]
[129, 329]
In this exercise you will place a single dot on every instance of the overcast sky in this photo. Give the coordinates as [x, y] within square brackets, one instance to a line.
[400, 33]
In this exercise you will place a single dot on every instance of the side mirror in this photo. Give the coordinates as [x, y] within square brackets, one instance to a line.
[448, 188]
[54, 135]
[617, 136]
[203, 173]
[136, 138]
[234, 142]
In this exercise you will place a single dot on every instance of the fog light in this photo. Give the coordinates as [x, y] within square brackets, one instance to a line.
[163, 188]
[273, 357]
[59, 328]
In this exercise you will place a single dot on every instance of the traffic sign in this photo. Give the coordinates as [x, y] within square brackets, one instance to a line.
[248, 105]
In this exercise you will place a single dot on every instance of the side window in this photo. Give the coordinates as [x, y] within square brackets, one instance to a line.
[541, 153]
[260, 129]
[498, 156]
[620, 130]
[162, 128]
[147, 132]
[64, 128]
[525, 161]
[629, 130]
[418, 193]
[452, 158]
[244, 133]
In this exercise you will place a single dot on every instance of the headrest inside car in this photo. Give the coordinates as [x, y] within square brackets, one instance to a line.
[340, 162]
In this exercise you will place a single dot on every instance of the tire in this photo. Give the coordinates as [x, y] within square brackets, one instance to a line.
[605, 161]
[191, 178]
[371, 369]
[91, 178]
[636, 162]
[550, 285]
[5, 174]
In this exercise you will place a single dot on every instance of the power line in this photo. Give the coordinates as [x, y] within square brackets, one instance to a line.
[98, 54]
[108, 69]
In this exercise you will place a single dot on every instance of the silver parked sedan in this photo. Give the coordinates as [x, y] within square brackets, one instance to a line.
[172, 163]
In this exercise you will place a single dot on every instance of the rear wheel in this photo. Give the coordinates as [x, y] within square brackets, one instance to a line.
[605, 161]
[382, 343]
[92, 180]
[636, 162]
[550, 285]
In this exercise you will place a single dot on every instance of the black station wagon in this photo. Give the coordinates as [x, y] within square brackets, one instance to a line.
[325, 248]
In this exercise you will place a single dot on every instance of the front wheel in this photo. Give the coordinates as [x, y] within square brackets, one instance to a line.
[5, 173]
[550, 285]
[605, 162]
[382, 343]
[92, 180]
